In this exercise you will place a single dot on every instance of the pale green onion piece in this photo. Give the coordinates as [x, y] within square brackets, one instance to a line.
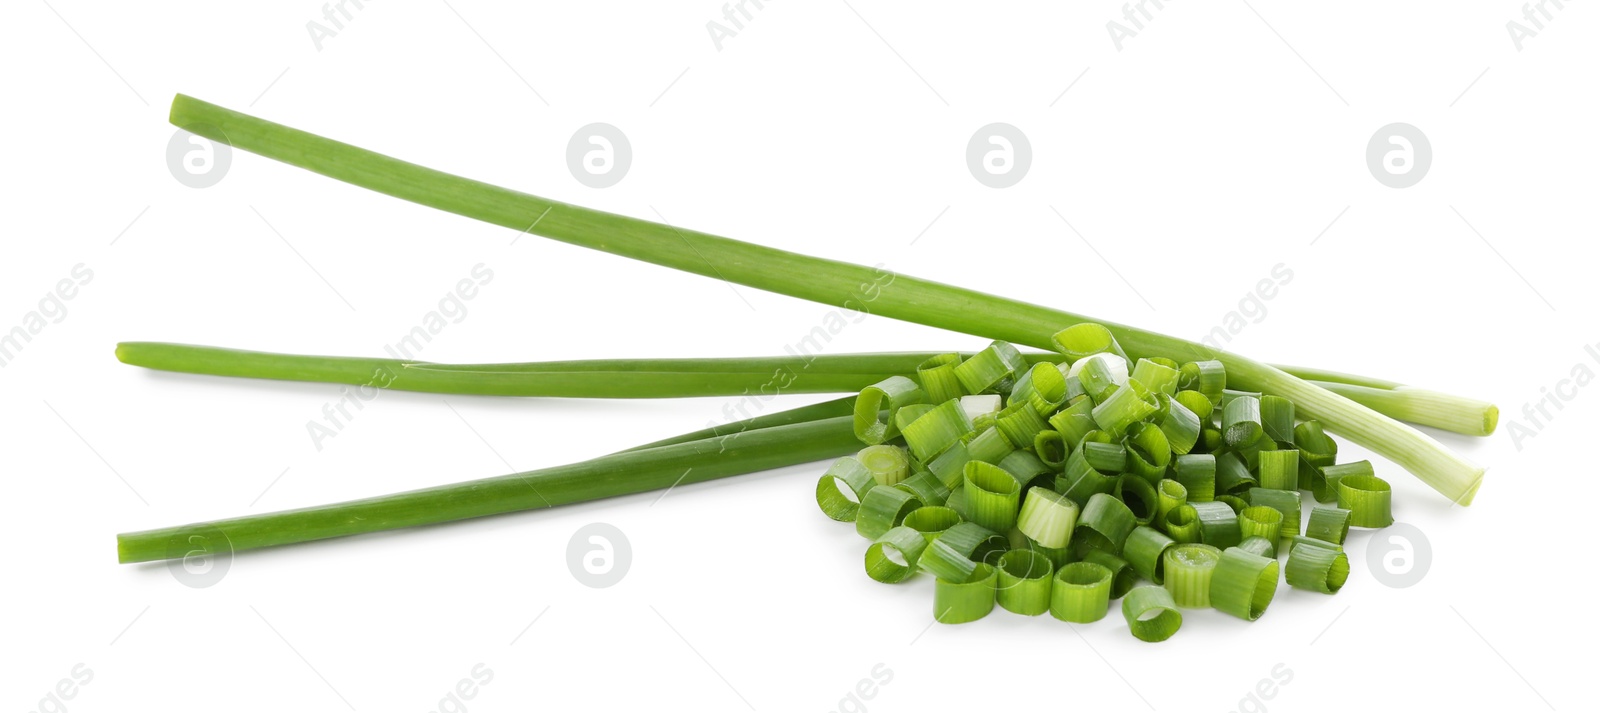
[1122, 575]
[1103, 524]
[1279, 470]
[951, 465]
[939, 428]
[1048, 518]
[1316, 568]
[1180, 425]
[1261, 521]
[1197, 472]
[1148, 451]
[1139, 496]
[1207, 377]
[1099, 375]
[840, 490]
[893, 556]
[1043, 386]
[1087, 339]
[1257, 546]
[1025, 467]
[1219, 524]
[1151, 613]
[938, 378]
[1277, 419]
[986, 369]
[979, 406]
[1330, 525]
[1024, 582]
[1052, 448]
[1183, 524]
[1234, 502]
[1197, 403]
[1145, 551]
[1075, 421]
[1241, 421]
[1130, 403]
[908, 414]
[890, 394]
[1233, 475]
[992, 496]
[1325, 480]
[1367, 497]
[1163, 361]
[1081, 593]
[1093, 468]
[1243, 584]
[989, 446]
[967, 599]
[888, 464]
[932, 520]
[882, 509]
[1156, 377]
[1187, 574]
[1073, 386]
[1286, 502]
[927, 487]
[1019, 423]
[1169, 495]
[958, 550]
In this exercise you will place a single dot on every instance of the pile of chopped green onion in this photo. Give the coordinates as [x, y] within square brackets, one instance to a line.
[1056, 484]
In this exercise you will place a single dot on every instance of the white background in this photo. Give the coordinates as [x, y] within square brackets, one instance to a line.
[1223, 139]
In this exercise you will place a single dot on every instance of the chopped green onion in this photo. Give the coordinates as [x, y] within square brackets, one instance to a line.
[1187, 573]
[1261, 521]
[1169, 495]
[1147, 451]
[1087, 339]
[1151, 613]
[992, 496]
[1081, 593]
[1328, 524]
[937, 376]
[882, 509]
[1233, 476]
[907, 414]
[927, 487]
[1128, 404]
[1197, 403]
[888, 464]
[1316, 568]
[1219, 524]
[939, 428]
[1325, 480]
[1122, 575]
[1052, 448]
[1180, 425]
[1207, 377]
[1075, 421]
[1243, 584]
[893, 556]
[1043, 386]
[958, 550]
[1279, 470]
[1277, 419]
[1091, 469]
[1286, 502]
[1099, 375]
[1367, 497]
[958, 497]
[1024, 466]
[1257, 546]
[1234, 502]
[1241, 421]
[1103, 524]
[1211, 440]
[1145, 550]
[986, 369]
[968, 599]
[979, 407]
[931, 520]
[840, 490]
[1048, 518]
[1139, 496]
[890, 394]
[1019, 423]
[1024, 582]
[989, 446]
[1183, 523]
[1197, 473]
[1156, 377]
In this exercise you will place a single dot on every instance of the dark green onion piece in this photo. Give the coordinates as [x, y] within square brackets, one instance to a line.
[1243, 584]
[1187, 573]
[1075, 421]
[1025, 467]
[1277, 419]
[1130, 403]
[907, 414]
[1319, 447]
[1286, 502]
[1091, 469]
[1211, 440]
[1024, 582]
[1081, 593]
[1052, 448]
[890, 394]
[1219, 524]
[888, 464]
[927, 487]
[937, 429]
[1122, 575]
[1048, 518]
[882, 509]
[1183, 524]
[1325, 480]
[1145, 549]
[1087, 339]
[1279, 470]
[840, 490]
[951, 465]
[1140, 497]
[1207, 377]
[1042, 386]
[1233, 476]
[1151, 613]
[1019, 423]
[993, 495]
[1104, 524]
[989, 446]
[967, 599]
[1241, 421]
[1367, 497]
[1158, 378]
[986, 369]
[1328, 524]
[1197, 473]
[1148, 451]
[958, 550]
[1169, 495]
[1180, 425]
[938, 378]
[1261, 521]
[1316, 569]
[931, 520]
[1234, 502]
[893, 556]
[1257, 546]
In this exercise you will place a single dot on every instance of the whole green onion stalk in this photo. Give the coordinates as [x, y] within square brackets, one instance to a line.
[830, 282]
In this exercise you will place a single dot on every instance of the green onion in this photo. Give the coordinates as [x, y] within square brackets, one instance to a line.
[1208, 377]
[1075, 421]
[1241, 421]
[1128, 404]
[1260, 521]
[1316, 446]
[890, 394]
[1169, 495]
[1019, 423]
[840, 490]
[1081, 593]
[1279, 470]
[926, 487]
[958, 550]
[1325, 480]
[1277, 419]
[1043, 386]
[968, 599]
[1099, 375]
[1091, 469]
[1026, 468]
[988, 445]
[1187, 570]
[1087, 339]
[1234, 503]
[1421, 406]
[936, 429]
[1243, 584]
[882, 509]
[1157, 377]
[1151, 613]
[1328, 524]
[981, 409]
[1183, 524]
[986, 369]
[1316, 568]
[1104, 524]
[1052, 448]
[950, 466]
[1257, 546]
[937, 376]
[888, 464]
[1148, 451]
[1219, 524]
[1024, 582]
[1145, 550]
[1367, 499]
[1197, 403]
[1048, 518]
[1286, 502]
[1140, 497]
[1180, 425]
[1197, 473]
[1233, 475]
[893, 556]
[992, 496]
[1122, 575]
